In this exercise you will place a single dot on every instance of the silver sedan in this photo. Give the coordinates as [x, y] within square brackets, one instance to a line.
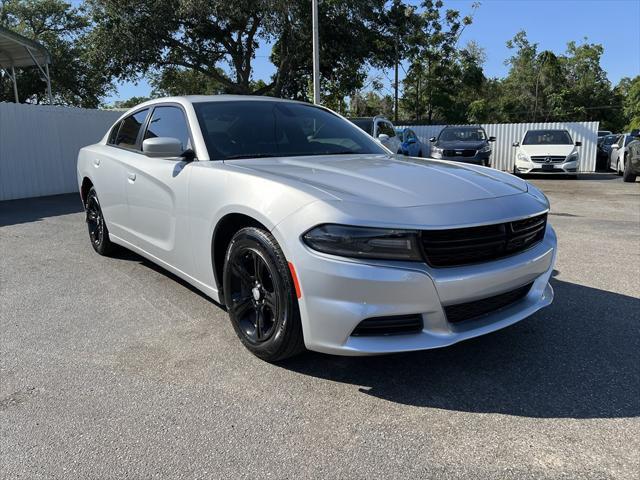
[311, 233]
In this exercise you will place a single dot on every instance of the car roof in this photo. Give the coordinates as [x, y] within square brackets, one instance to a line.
[216, 98]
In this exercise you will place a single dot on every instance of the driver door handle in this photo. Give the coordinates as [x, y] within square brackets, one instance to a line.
[131, 176]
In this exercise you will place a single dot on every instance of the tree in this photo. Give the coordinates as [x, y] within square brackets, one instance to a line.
[627, 92]
[353, 38]
[431, 83]
[62, 29]
[217, 41]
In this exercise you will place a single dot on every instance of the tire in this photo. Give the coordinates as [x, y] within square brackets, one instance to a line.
[420, 154]
[98, 231]
[261, 297]
[628, 175]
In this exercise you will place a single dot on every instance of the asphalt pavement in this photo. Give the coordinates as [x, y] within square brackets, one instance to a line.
[113, 368]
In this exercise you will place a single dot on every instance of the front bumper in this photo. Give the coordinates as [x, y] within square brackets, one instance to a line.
[337, 294]
[483, 159]
[527, 166]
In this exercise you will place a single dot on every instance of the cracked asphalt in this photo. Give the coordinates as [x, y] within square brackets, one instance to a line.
[113, 368]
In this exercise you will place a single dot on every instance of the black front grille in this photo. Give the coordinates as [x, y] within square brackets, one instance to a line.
[463, 246]
[548, 159]
[475, 309]
[459, 153]
[393, 325]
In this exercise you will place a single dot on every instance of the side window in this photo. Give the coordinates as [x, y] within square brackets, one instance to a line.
[386, 128]
[169, 122]
[113, 134]
[129, 129]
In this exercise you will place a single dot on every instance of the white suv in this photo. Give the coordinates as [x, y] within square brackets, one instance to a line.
[547, 151]
[381, 129]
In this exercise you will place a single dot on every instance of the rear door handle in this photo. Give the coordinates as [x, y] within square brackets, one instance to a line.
[132, 177]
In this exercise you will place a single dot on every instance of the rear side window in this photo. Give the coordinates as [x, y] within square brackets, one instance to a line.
[129, 129]
[628, 140]
[386, 128]
[169, 122]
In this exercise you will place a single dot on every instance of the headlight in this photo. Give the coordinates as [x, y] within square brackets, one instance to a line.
[364, 242]
[523, 157]
[573, 157]
[485, 149]
[436, 152]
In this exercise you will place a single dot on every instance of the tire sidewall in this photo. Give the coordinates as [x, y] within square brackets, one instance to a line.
[103, 247]
[266, 246]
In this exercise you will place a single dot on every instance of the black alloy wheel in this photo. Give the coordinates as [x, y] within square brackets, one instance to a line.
[98, 232]
[260, 296]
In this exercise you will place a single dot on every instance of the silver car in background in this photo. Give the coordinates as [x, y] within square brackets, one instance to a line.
[312, 234]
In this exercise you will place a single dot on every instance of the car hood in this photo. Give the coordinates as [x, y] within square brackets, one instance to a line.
[386, 180]
[457, 145]
[544, 150]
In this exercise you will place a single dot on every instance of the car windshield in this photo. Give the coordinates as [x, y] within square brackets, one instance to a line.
[547, 137]
[609, 139]
[254, 129]
[462, 135]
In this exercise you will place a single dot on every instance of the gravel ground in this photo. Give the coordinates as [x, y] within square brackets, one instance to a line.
[113, 368]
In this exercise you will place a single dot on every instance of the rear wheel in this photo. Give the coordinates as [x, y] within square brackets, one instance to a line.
[261, 297]
[628, 175]
[98, 232]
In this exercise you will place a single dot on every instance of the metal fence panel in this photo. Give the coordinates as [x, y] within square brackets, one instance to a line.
[503, 156]
[39, 146]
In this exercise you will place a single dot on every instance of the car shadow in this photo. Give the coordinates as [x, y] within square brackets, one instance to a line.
[579, 358]
[25, 210]
[121, 253]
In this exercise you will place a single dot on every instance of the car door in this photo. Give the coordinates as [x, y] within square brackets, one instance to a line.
[109, 163]
[385, 127]
[157, 191]
[413, 144]
[615, 152]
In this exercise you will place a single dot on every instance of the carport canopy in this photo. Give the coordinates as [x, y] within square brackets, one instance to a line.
[19, 51]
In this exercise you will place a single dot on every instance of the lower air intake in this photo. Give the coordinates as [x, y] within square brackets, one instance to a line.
[472, 310]
[394, 325]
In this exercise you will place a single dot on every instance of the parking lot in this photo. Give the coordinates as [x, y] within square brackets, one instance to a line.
[113, 368]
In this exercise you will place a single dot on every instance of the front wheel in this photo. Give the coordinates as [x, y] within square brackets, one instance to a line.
[628, 175]
[98, 232]
[261, 297]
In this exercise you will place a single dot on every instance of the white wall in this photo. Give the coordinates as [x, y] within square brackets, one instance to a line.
[503, 156]
[39, 146]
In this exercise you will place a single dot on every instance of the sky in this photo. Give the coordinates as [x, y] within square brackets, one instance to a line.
[550, 23]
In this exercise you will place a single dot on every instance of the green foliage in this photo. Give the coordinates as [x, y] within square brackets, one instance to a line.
[131, 102]
[630, 93]
[62, 29]
[209, 47]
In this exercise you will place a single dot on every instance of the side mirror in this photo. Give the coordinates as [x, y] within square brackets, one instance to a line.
[492, 139]
[162, 147]
[516, 144]
[432, 139]
[383, 137]
[578, 144]
[614, 146]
